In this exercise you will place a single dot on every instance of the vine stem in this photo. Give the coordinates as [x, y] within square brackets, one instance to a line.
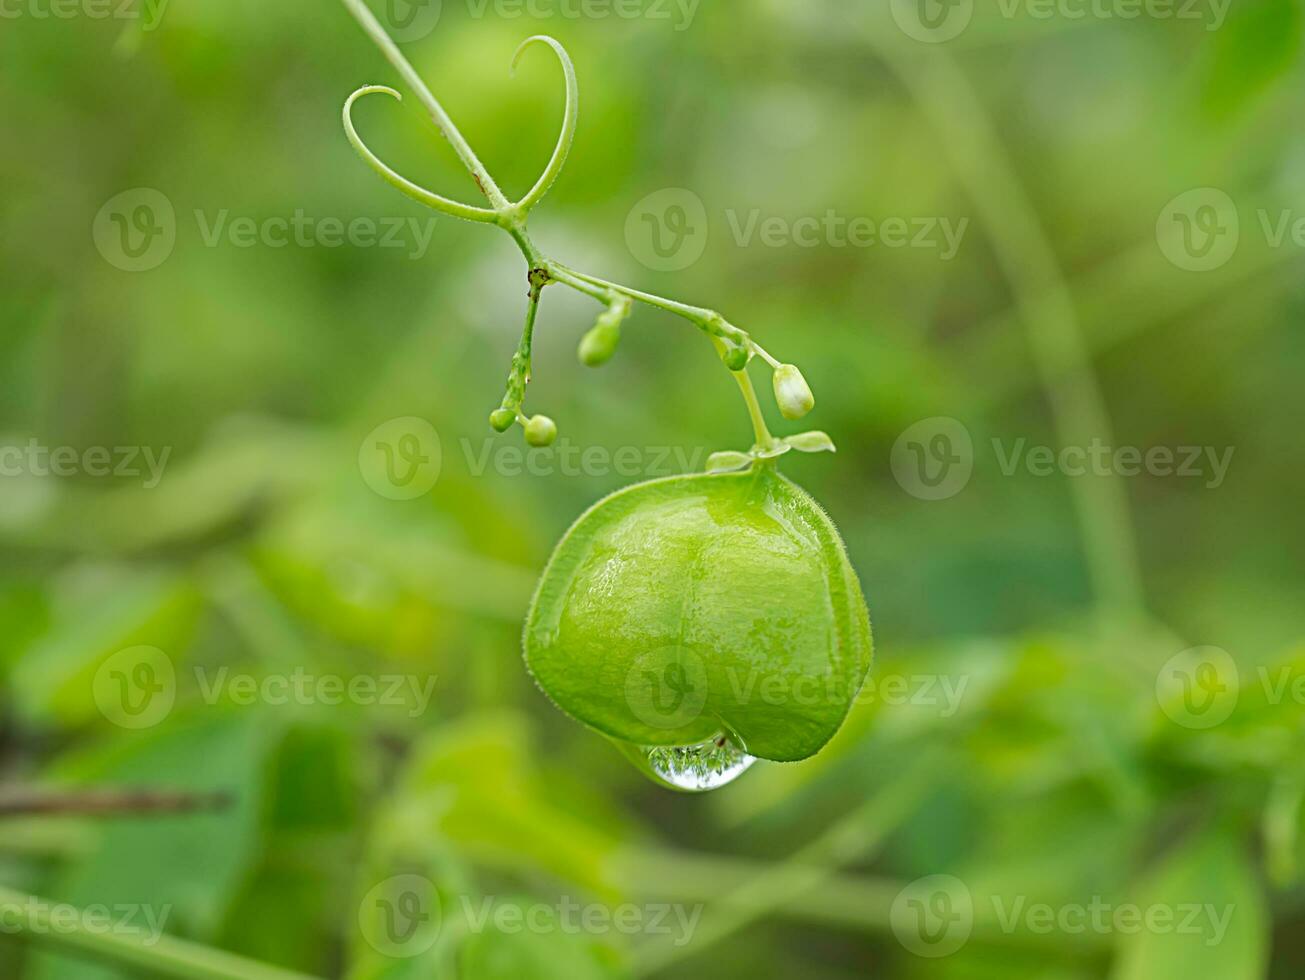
[765, 440]
[513, 217]
[367, 20]
[101, 802]
[33, 918]
[520, 374]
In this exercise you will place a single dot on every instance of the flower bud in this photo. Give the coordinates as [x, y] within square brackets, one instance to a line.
[502, 419]
[792, 393]
[599, 344]
[541, 431]
[735, 358]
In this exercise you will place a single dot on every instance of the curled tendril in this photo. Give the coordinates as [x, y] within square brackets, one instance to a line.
[735, 346]
[415, 191]
[569, 118]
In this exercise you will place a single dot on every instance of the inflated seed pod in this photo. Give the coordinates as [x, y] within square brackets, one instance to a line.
[702, 620]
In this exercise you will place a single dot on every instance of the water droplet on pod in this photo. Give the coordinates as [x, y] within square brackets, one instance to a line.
[697, 768]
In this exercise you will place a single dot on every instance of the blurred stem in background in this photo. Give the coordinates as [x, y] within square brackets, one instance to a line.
[33, 917]
[853, 837]
[1045, 305]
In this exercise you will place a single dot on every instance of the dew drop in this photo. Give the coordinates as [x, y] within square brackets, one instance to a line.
[692, 768]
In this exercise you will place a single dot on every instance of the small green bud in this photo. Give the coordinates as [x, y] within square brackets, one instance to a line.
[792, 393]
[502, 419]
[736, 358]
[599, 344]
[541, 431]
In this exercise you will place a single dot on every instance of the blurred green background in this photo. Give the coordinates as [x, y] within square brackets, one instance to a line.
[1088, 299]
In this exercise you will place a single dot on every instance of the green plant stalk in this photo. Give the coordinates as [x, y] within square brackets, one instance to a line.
[765, 441]
[519, 376]
[367, 20]
[512, 217]
[1044, 303]
[30, 917]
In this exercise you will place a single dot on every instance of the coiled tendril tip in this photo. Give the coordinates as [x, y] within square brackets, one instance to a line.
[734, 345]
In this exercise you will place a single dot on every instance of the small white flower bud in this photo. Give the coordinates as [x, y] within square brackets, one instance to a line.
[792, 393]
[541, 431]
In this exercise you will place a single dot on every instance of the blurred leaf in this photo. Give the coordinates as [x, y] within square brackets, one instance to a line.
[541, 950]
[1211, 871]
[289, 907]
[478, 785]
[1257, 44]
[183, 868]
[119, 608]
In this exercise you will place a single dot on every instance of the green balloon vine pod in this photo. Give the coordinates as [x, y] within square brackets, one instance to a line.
[700, 622]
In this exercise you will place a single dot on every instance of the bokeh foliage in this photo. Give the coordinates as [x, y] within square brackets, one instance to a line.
[1059, 779]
